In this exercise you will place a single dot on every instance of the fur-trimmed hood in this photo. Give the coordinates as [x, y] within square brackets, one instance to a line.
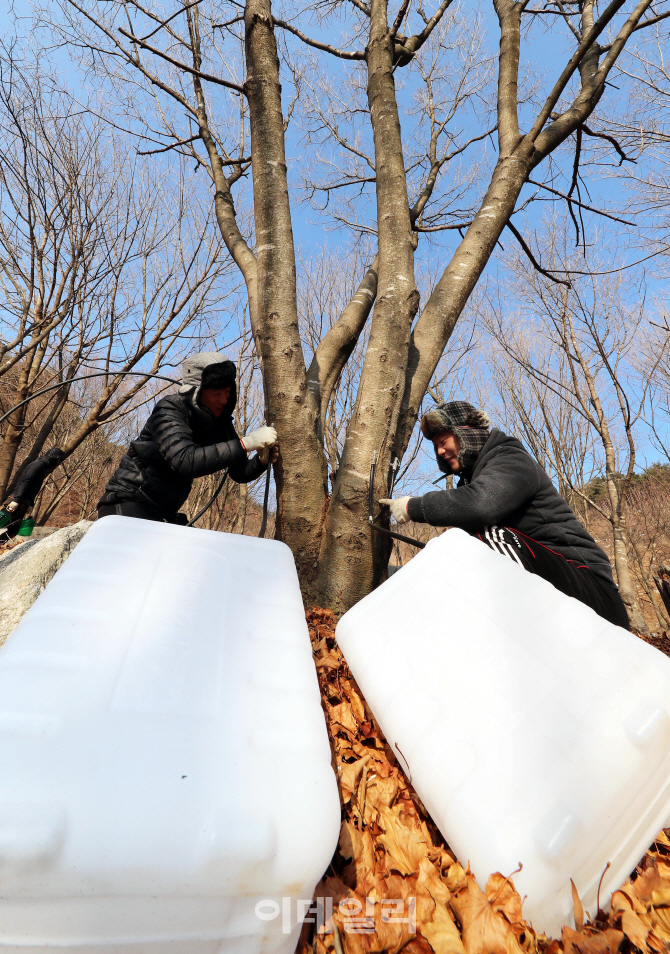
[192, 376]
[470, 425]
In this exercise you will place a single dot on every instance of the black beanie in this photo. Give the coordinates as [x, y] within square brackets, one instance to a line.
[54, 456]
[219, 375]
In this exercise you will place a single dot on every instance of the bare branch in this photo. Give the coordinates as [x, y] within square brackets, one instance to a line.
[409, 45]
[222, 26]
[589, 208]
[397, 23]
[640, 26]
[573, 63]
[132, 60]
[600, 135]
[442, 228]
[182, 66]
[164, 23]
[566, 17]
[536, 265]
[337, 345]
[317, 44]
[173, 145]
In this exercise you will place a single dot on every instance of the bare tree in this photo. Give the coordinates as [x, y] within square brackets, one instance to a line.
[191, 60]
[579, 374]
[101, 268]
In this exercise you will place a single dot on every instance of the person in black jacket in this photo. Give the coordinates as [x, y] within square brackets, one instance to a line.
[506, 499]
[23, 491]
[187, 435]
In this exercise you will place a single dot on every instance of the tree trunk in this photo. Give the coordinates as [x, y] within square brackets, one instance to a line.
[14, 429]
[624, 579]
[44, 432]
[352, 557]
[300, 472]
[241, 516]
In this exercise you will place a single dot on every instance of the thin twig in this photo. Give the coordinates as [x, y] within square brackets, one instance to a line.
[543, 271]
[173, 145]
[589, 208]
[179, 65]
[187, 6]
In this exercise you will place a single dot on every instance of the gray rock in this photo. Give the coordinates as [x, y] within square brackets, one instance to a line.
[39, 533]
[26, 570]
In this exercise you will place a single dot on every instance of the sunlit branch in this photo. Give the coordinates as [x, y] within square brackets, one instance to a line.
[326, 47]
[182, 66]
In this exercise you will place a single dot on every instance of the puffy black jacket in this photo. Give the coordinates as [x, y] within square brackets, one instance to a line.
[178, 443]
[509, 488]
[29, 483]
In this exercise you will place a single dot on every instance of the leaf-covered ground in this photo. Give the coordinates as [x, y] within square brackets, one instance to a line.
[391, 852]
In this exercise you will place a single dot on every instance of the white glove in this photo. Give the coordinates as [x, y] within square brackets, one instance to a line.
[398, 509]
[256, 440]
[269, 454]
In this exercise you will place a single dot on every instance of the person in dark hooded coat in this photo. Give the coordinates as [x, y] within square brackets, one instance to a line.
[506, 499]
[22, 492]
[187, 435]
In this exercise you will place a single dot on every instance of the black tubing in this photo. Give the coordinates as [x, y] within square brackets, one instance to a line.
[261, 532]
[375, 526]
[84, 377]
[398, 536]
[211, 500]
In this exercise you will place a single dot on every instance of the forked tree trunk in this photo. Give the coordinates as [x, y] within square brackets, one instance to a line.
[353, 557]
[338, 558]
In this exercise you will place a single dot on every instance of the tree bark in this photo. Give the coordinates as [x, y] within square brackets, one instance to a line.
[300, 472]
[351, 558]
[624, 578]
[15, 426]
[241, 515]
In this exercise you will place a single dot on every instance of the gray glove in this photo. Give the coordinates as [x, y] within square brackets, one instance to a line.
[258, 439]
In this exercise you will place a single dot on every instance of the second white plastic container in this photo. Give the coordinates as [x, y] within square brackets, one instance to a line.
[165, 776]
[534, 731]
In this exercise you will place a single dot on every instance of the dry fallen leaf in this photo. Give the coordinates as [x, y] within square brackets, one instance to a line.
[485, 930]
[413, 896]
[600, 942]
[579, 910]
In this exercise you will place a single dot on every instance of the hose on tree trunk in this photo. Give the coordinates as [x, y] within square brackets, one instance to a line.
[261, 532]
[371, 518]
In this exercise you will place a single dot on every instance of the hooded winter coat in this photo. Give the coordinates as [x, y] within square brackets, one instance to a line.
[506, 487]
[180, 441]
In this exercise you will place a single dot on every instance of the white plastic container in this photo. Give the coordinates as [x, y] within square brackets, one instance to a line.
[534, 731]
[164, 761]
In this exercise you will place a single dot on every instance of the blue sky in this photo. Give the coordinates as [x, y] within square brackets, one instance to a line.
[543, 55]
